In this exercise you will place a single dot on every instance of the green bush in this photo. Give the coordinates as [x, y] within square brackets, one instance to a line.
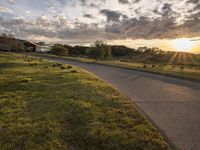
[59, 49]
[69, 67]
[144, 66]
[74, 71]
[33, 64]
[26, 80]
[62, 67]
[54, 65]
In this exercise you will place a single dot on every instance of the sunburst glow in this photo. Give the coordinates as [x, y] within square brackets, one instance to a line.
[183, 44]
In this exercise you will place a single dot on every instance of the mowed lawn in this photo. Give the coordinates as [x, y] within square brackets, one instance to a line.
[45, 105]
[187, 70]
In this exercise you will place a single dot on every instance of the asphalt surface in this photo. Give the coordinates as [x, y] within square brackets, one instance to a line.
[172, 104]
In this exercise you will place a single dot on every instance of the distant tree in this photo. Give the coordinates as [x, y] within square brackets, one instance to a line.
[99, 44]
[16, 46]
[4, 35]
[59, 49]
[120, 51]
[108, 52]
[100, 50]
[96, 53]
[7, 35]
[10, 36]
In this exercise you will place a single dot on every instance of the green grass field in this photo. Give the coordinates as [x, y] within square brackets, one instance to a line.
[186, 70]
[44, 105]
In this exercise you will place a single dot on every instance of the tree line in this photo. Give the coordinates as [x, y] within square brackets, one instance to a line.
[101, 50]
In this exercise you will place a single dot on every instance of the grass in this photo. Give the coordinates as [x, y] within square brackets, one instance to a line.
[189, 71]
[186, 72]
[46, 107]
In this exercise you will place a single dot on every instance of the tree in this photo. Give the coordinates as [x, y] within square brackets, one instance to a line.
[4, 35]
[99, 44]
[100, 50]
[59, 49]
[96, 53]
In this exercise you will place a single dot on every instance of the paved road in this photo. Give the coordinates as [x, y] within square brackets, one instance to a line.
[172, 104]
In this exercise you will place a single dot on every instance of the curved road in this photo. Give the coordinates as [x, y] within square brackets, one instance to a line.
[172, 104]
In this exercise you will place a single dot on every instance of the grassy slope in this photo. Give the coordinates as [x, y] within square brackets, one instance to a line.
[188, 72]
[47, 107]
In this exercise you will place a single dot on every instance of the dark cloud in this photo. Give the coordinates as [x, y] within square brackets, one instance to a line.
[57, 28]
[136, 1]
[94, 5]
[137, 11]
[196, 5]
[162, 27]
[11, 1]
[88, 16]
[83, 2]
[117, 26]
[193, 1]
[124, 1]
[13, 22]
[196, 8]
[142, 27]
[166, 11]
[91, 3]
[113, 16]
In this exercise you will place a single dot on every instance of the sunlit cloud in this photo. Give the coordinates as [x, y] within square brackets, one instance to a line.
[86, 20]
[6, 10]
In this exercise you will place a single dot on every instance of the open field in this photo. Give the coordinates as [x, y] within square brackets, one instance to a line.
[45, 105]
[186, 71]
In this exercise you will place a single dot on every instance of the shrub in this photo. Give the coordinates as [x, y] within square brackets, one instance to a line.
[54, 65]
[96, 53]
[33, 64]
[74, 71]
[153, 66]
[62, 67]
[59, 49]
[69, 67]
[181, 67]
[144, 66]
[25, 80]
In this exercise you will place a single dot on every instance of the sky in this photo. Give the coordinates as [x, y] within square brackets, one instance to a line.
[133, 23]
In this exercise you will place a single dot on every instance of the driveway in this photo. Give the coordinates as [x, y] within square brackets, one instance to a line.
[173, 105]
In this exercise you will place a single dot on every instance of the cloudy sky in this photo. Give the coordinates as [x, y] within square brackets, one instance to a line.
[129, 22]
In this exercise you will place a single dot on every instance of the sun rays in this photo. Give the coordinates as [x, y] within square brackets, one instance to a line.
[183, 44]
[182, 58]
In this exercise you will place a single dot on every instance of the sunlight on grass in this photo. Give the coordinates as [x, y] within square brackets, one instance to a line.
[46, 107]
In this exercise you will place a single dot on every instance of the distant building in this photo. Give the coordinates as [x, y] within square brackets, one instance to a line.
[12, 44]
[44, 47]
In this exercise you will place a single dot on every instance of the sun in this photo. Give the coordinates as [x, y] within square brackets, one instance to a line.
[183, 44]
